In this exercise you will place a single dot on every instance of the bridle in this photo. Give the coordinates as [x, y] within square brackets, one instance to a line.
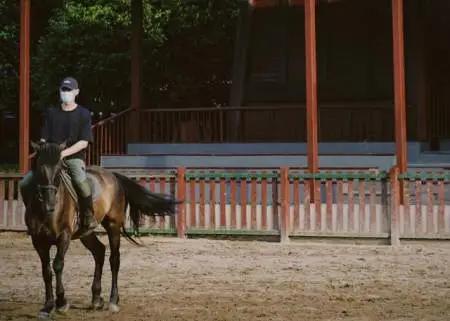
[42, 188]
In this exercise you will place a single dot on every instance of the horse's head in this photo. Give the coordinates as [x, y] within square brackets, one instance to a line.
[47, 167]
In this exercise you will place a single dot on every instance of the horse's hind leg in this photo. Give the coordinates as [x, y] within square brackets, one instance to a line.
[93, 244]
[62, 245]
[43, 249]
[114, 242]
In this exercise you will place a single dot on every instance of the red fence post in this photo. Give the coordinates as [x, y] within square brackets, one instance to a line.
[284, 230]
[395, 205]
[181, 196]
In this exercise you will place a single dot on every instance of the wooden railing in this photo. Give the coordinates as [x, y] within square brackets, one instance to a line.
[12, 210]
[424, 212]
[439, 112]
[279, 203]
[372, 121]
[110, 136]
[337, 122]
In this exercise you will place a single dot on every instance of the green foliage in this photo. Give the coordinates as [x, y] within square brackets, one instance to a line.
[8, 168]
[186, 58]
[88, 40]
[187, 52]
[9, 39]
[194, 63]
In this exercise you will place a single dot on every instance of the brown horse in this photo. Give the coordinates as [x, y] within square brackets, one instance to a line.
[52, 219]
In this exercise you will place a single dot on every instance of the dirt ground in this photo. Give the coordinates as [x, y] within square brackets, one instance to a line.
[172, 279]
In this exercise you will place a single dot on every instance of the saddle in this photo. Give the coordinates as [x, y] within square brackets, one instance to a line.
[92, 180]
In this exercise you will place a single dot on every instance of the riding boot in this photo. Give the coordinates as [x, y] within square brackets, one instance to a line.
[89, 223]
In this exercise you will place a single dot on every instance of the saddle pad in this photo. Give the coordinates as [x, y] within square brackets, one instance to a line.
[96, 188]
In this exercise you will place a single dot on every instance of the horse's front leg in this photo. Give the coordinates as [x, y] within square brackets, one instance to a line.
[58, 266]
[42, 246]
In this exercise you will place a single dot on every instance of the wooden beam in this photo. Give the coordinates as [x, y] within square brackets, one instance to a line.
[311, 89]
[136, 65]
[24, 99]
[234, 129]
[399, 85]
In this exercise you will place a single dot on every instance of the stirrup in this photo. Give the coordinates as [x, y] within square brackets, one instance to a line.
[86, 230]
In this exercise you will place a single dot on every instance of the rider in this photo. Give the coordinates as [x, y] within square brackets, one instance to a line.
[69, 123]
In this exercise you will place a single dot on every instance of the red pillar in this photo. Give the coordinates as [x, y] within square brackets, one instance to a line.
[136, 65]
[285, 207]
[24, 99]
[311, 90]
[181, 196]
[395, 206]
[399, 85]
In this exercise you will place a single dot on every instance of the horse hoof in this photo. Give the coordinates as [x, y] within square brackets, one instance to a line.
[63, 309]
[43, 315]
[114, 308]
[98, 304]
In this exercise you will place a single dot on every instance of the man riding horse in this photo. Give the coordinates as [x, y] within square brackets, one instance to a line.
[69, 123]
[51, 210]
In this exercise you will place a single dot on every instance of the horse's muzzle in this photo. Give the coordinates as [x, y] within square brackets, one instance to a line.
[49, 210]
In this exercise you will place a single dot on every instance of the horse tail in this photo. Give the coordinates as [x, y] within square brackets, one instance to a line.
[144, 202]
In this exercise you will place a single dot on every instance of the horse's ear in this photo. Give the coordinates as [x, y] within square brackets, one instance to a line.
[35, 146]
[63, 146]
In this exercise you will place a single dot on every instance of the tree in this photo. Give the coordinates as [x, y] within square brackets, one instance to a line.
[9, 39]
[187, 52]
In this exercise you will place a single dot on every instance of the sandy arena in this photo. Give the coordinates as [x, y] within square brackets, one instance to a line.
[172, 279]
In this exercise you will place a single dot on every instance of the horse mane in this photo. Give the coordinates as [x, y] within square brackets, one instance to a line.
[49, 154]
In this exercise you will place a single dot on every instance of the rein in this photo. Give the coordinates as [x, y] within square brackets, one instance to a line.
[65, 179]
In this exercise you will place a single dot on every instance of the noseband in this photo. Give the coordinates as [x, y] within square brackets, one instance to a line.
[42, 188]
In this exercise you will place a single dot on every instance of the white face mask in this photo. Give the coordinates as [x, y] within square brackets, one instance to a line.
[68, 97]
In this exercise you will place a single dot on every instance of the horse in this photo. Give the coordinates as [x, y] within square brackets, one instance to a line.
[52, 218]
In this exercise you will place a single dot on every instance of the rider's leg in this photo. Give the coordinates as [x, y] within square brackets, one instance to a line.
[26, 186]
[77, 169]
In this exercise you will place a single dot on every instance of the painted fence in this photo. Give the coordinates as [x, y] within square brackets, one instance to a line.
[12, 209]
[286, 203]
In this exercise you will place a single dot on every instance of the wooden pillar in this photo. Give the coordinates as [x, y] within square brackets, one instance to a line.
[311, 90]
[181, 208]
[399, 85]
[234, 126]
[24, 99]
[285, 207]
[136, 66]
[395, 206]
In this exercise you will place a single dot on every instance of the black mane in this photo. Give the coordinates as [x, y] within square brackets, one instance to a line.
[49, 154]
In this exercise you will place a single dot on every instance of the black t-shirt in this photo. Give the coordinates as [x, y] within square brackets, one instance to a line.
[67, 126]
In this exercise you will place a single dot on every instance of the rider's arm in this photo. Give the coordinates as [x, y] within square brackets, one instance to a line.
[75, 148]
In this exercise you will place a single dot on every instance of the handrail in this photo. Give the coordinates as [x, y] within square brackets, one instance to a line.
[110, 136]
[291, 106]
[110, 118]
[425, 176]
[10, 175]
